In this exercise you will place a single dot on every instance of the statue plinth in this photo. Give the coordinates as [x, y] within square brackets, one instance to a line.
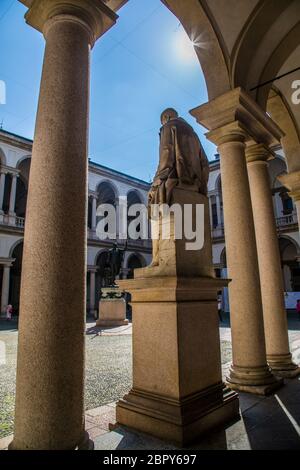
[177, 391]
[112, 308]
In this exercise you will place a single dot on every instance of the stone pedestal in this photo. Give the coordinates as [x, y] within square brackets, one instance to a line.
[177, 391]
[112, 312]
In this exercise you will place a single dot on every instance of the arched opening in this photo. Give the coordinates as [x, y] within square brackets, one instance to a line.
[221, 272]
[7, 189]
[289, 253]
[106, 194]
[135, 261]
[22, 186]
[284, 209]
[21, 197]
[100, 263]
[133, 197]
[15, 277]
[90, 210]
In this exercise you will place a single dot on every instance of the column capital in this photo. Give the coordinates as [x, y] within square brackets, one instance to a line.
[236, 110]
[232, 132]
[93, 194]
[92, 269]
[7, 262]
[258, 153]
[7, 169]
[292, 182]
[92, 14]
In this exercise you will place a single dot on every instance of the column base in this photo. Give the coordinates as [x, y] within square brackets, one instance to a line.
[282, 365]
[11, 218]
[85, 444]
[256, 380]
[111, 322]
[179, 421]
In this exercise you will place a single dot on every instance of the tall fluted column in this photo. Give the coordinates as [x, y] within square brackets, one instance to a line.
[233, 119]
[275, 318]
[49, 410]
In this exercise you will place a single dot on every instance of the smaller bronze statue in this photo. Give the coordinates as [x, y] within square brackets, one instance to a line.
[113, 265]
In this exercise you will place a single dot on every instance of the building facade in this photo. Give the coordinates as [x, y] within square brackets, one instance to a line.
[106, 186]
[286, 221]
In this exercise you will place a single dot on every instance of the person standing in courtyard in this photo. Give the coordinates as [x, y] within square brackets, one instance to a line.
[220, 306]
[9, 311]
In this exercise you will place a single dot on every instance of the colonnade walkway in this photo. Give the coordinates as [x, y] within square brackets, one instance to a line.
[271, 422]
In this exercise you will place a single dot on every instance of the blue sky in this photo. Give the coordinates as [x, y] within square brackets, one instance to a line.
[141, 66]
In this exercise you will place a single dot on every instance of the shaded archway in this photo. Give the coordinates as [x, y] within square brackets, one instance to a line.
[22, 186]
[289, 254]
[100, 263]
[7, 189]
[133, 197]
[15, 276]
[107, 193]
[282, 202]
[134, 261]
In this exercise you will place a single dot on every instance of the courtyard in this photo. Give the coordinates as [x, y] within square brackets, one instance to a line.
[168, 106]
[266, 420]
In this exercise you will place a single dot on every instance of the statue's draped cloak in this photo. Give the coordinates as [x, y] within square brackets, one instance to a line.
[182, 161]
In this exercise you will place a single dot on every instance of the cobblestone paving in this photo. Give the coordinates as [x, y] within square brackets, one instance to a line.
[108, 366]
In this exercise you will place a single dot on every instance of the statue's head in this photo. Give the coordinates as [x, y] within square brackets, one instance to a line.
[167, 114]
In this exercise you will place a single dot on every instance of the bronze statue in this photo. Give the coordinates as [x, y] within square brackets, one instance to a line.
[113, 264]
[182, 162]
[181, 159]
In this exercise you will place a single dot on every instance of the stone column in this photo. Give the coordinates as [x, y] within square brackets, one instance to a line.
[210, 212]
[249, 368]
[92, 289]
[218, 209]
[275, 318]
[94, 209]
[5, 287]
[49, 411]
[230, 118]
[12, 199]
[2, 187]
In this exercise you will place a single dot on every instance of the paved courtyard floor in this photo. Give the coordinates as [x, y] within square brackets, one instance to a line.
[272, 422]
